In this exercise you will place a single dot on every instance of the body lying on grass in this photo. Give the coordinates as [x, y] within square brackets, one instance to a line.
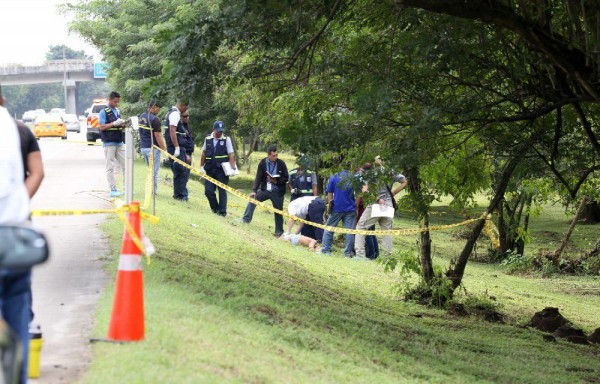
[297, 239]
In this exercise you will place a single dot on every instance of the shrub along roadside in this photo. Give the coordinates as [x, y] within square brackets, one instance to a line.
[226, 302]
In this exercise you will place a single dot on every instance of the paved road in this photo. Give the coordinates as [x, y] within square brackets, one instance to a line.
[66, 289]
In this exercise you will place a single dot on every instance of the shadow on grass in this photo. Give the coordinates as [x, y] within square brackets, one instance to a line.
[311, 311]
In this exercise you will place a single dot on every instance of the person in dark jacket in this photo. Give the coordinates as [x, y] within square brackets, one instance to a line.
[217, 149]
[269, 184]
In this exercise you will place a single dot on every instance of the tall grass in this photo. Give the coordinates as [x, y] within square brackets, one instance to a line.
[227, 302]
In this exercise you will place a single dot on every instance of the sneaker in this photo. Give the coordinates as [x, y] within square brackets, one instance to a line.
[278, 234]
[361, 258]
[115, 193]
[323, 253]
[241, 220]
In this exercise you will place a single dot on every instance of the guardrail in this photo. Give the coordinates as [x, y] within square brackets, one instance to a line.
[51, 66]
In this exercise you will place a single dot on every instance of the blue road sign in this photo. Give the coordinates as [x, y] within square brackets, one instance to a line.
[100, 70]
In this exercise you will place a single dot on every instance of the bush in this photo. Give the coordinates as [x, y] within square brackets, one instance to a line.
[518, 263]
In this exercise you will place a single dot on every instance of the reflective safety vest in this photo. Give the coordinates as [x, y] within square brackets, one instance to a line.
[302, 181]
[181, 131]
[215, 154]
[112, 135]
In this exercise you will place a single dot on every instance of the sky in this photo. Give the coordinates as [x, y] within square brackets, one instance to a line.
[29, 27]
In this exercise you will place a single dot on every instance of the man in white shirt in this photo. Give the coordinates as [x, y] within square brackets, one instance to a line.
[15, 286]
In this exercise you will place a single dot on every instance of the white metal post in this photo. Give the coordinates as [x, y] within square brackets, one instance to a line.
[129, 153]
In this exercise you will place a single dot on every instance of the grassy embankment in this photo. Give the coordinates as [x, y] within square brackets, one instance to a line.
[227, 302]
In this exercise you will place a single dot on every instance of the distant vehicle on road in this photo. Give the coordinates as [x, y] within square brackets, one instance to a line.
[28, 116]
[93, 133]
[72, 122]
[50, 125]
[60, 111]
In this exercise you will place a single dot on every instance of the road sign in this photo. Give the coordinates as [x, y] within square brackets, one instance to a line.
[100, 70]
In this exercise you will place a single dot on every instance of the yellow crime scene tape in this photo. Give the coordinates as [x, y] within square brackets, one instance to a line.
[390, 232]
[120, 211]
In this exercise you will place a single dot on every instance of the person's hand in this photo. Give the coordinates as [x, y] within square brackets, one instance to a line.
[253, 195]
[381, 202]
[202, 169]
[295, 191]
[177, 152]
[118, 123]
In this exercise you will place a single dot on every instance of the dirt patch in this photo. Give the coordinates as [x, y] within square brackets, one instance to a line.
[595, 337]
[548, 320]
[573, 335]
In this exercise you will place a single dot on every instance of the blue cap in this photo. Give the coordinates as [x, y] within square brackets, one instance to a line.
[219, 126]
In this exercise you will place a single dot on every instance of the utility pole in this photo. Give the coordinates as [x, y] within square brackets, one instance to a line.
[65, 76]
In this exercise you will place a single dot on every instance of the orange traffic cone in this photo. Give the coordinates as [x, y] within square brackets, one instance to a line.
[127, 317]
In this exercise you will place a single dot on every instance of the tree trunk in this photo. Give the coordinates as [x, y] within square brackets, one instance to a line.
[456, 274]
[591, 213]
[426, 262]
[422, 210]
[563, 244]
[502, 234]
[520, 244]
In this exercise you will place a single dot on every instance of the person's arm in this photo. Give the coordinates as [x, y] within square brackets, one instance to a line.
[173, 134]
[315, 190]
[160, 141]
[283, 179]
[102, 124]
[231, 153]
[35, 168]
[400, 187]
[299, 229]
[257, 179]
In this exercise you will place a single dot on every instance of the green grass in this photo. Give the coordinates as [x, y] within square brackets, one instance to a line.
[227, 302]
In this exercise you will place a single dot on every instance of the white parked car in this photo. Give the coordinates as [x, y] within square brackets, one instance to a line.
[72, 122]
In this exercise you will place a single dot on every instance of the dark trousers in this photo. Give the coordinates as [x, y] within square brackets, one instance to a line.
[15, 304]
[220, 206]
[316, 209]
[277, 200]
[371, 246]
[180, 175]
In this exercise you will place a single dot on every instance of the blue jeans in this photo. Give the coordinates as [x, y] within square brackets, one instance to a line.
[180, 176]
[347, 219]
[219, 207]
[277, 200]
[15, 304]
[146, 154]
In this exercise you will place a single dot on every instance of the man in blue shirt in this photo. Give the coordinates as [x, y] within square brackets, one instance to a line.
[340, 192]
[113, 139]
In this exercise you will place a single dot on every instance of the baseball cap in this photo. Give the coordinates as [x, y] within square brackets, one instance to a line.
[219, 126]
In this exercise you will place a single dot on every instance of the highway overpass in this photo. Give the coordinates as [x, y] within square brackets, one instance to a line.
[68, 72]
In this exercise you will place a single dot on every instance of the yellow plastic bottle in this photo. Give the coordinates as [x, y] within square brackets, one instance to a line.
[35, 350]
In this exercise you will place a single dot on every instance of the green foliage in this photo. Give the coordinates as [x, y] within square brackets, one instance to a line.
[517, 263]
[435, 292]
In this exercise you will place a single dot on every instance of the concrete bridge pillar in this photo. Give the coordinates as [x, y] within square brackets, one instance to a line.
[71, 90]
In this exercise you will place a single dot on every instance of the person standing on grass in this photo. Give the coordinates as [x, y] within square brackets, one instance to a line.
[216, 150]
[340, 194]
[269, 184]
[385, 197]
[113, 140]
[187, 142]
[151, 132]
[173, 134]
